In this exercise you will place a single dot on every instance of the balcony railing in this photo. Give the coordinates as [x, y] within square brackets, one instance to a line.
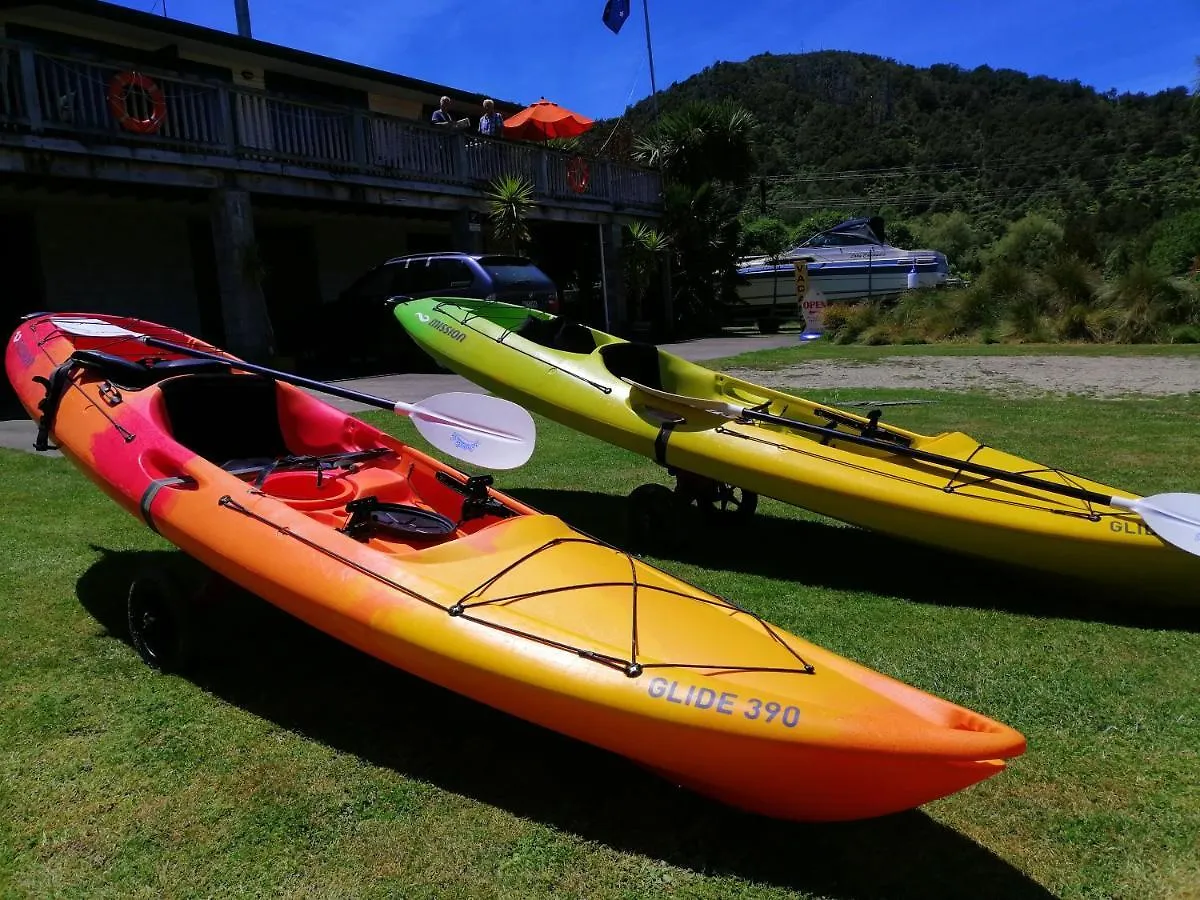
[54, 95]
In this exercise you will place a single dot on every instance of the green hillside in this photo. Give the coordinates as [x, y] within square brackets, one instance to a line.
[863, 134]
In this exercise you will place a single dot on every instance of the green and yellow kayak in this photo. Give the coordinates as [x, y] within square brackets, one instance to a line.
[837, 463]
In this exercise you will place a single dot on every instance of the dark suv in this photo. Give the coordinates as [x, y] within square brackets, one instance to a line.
[483, 276]
[513, 279]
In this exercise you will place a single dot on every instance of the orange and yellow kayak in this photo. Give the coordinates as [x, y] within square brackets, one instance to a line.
[389, 550]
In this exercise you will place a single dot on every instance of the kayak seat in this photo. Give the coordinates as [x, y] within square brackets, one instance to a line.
[134, 375]
[225, 417]
[558, 334]
[635, 361]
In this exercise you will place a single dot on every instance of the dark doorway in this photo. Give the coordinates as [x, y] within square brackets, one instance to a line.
[23, 292]
[291, 289]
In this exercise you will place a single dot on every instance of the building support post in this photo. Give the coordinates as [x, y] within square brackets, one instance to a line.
[248, 330]
[668, 301]
[612, 280]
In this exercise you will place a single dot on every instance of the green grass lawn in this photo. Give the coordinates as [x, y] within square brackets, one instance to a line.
[288, 765]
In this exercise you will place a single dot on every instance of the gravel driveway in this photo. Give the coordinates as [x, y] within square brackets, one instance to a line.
[1096, 376]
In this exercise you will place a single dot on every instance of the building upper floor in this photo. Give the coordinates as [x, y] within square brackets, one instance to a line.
[101, 79]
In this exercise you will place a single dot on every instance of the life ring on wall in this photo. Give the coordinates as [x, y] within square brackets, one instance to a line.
[118, 102]
[578, 175]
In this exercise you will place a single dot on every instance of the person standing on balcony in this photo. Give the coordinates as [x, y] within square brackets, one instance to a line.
[441, 115]
[491, 122]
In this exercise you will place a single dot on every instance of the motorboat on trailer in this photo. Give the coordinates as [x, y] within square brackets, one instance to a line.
[850, 261]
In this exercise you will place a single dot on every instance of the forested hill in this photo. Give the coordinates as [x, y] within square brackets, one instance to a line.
[992, 142]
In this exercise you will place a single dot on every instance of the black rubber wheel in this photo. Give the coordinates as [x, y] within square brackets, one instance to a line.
[713, 498]
[158, 614]
[735, 500]
[654, 520]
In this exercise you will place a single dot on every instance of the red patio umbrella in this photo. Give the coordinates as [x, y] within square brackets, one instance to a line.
[544, 120]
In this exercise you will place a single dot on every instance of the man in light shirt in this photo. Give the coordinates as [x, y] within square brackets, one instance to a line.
[491, 123]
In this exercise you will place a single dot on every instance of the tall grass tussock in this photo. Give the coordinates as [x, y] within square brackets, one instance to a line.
[1063, 300]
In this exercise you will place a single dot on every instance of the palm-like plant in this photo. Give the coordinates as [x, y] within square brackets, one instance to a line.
[704, 237]
[700, 142]
[696, 146]
[510, 198]
[645, 248]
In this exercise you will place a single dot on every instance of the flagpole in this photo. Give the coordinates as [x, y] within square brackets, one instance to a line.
[603, 276]
[650, 54]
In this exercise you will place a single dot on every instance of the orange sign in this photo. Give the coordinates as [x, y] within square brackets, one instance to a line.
[801, 278]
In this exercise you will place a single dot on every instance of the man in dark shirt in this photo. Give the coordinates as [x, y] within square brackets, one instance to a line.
[441, 115]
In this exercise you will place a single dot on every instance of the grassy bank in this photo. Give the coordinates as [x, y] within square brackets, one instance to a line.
[291, 766]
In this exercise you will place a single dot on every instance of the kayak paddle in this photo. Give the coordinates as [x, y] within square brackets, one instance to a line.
[489, 431]
[1175, 518]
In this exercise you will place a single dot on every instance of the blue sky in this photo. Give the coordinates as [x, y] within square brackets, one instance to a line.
[520, 51]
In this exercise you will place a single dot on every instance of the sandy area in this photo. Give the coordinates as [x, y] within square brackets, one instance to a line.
[1096, 376]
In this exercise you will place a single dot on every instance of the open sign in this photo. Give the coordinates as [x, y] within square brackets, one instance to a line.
[814, 312]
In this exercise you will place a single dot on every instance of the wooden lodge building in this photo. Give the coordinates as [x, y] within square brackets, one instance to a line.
[273, 178]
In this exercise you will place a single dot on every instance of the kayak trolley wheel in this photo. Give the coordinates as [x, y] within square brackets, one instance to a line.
[712, 497]
[654, 521]
[736, 500]
[157, 613]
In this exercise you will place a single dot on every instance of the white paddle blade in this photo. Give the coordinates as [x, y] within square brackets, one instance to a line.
[1173, 517]
[716, 407]
[488, 431]
[93, 328]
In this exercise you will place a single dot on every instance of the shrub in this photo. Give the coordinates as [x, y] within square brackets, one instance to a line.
[1070, 282]
[1024, 319]
[1145, 303]
[833, 322]
[858, 317]
[1185, 334]
[803, 229]
[1118, 261]
[882, 333]
[1102, 323]
[766, 235]
[1029, 242]
[1176, 242]
[954, 235]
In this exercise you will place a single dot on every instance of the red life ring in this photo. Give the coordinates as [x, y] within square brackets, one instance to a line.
[578, 175]
[118, 96]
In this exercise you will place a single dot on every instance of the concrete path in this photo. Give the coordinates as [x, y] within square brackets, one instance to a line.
[18, 433]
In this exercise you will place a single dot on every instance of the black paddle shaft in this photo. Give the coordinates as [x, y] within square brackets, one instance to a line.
[959, 464]
[299, 381]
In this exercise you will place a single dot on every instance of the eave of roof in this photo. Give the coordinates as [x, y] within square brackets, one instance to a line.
[186, 30]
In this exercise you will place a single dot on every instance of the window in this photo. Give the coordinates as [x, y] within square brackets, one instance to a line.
[446, 274]
[375, 283]
[420, 277]
[400, 279]
[511, 273]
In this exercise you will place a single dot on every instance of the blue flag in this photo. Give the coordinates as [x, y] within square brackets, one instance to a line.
[615, 14]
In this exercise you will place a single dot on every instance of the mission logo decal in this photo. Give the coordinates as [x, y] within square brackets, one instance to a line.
[439, 325]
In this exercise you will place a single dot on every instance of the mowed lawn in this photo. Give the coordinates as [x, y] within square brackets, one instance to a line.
[288, 765]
